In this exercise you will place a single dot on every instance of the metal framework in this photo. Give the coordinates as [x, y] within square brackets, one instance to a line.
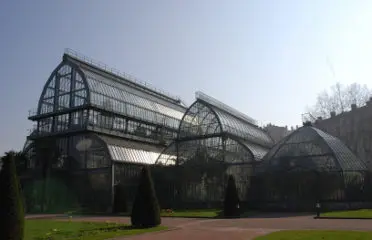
[99, 126]
[93, 118]
[310, 165]
[78, 96]
[213, 142]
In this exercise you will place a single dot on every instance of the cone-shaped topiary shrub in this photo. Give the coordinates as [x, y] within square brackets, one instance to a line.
[231, 203]
[120, 204]
[145, 210]
[11, 201]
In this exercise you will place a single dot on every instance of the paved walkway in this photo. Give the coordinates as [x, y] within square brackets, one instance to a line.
[236, 229]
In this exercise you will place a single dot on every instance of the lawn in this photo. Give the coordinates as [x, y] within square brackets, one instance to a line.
[362, 213]
[63, 230]
[315, 235]
[182, 213]
[197, 213]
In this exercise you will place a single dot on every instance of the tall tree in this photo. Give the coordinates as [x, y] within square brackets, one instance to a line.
[339, 99]
[20, 160]
[11, 201]
[145, 210]
[231, 203]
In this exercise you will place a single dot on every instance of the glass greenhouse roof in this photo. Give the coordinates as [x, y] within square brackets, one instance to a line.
[131, 155]
[235, 122]
[309, 147]
[242, 129]
[126, 151]
[257, 151]
[115, 93]
[204, 97]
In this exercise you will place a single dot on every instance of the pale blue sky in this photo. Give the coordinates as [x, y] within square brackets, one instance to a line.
[265, 58]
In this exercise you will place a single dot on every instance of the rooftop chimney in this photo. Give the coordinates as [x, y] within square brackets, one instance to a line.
[333, 114]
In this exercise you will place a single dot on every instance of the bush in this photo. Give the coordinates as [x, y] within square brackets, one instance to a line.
[120, 200]
[145, 211]
[11, 201]
[231, 203]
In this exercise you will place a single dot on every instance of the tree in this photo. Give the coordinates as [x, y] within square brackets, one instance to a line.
[20, 159]
[339, 99]
[231, 203]
[11, 201]
[146, 210]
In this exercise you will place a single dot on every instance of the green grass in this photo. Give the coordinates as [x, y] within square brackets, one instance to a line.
[63, 230]
[315, 235]
[182, 213]
[197, 213]
[362, 213]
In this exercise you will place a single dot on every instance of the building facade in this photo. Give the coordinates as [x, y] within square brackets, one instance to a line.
[354, 128]
[278, 132]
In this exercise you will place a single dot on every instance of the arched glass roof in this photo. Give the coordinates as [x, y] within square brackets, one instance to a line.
[309, 148]
[76, 82]
[242, 129]
[65, 88]
[203, 118]
[213, 132]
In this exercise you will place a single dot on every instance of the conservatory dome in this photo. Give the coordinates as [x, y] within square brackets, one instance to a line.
[311, 149]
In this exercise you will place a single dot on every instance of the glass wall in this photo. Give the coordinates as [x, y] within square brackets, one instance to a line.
[310, 165]
[65, 89]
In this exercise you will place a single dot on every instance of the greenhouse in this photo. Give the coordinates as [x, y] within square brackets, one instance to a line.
[310, 165]
[213, 142]
[94, 127]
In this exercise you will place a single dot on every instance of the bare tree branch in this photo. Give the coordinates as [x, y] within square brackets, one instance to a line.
[339, 99]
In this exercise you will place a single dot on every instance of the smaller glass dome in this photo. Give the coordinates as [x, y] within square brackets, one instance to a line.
[310, 149]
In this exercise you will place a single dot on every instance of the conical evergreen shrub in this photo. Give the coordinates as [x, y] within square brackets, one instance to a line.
[11, 201]
[145, 210]
[231, 203]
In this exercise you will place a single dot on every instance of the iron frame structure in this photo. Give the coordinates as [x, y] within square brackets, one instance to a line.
[310, 165]
[213, 142]
[91, 118]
